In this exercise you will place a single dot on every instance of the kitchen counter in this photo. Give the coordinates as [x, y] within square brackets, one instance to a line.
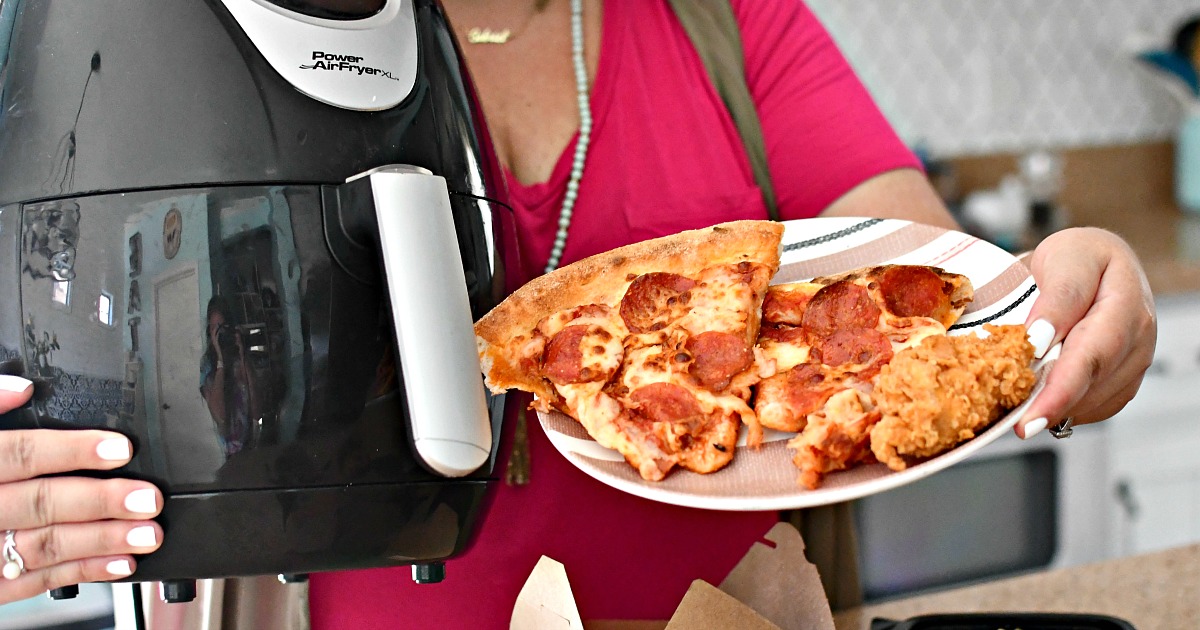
[1158, 590]
[1166, 239]
[1127, 189]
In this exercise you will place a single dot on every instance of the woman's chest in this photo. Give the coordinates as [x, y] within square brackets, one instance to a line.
[529, 90]
[663, 156]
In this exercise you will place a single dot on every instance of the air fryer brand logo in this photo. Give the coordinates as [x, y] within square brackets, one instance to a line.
[345, 63]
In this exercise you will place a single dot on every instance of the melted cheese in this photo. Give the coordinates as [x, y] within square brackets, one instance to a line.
[595, 410]
[846, 406]
[785, 355]
[907, 332]
[601, 350]
[608, 318]
[644, 366]
[647, 365]
[720, 301]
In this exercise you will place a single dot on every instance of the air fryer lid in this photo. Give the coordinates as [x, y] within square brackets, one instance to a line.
[333, 9]
[366, 64]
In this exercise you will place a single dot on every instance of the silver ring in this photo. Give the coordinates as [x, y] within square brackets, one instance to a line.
[1063, 429]
[14, 564]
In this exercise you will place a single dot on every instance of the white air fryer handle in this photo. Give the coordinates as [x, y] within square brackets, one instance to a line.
[434, 329]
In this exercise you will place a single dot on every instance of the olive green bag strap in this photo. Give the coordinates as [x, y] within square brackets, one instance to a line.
[714, 32]
[828, 531]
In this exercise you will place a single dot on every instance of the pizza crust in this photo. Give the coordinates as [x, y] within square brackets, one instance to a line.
[602, 279]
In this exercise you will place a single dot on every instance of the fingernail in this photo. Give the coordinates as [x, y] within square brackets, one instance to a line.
[10, 383]
[143, 536]
[142, 501]
[1034, 427]
[1041, 335]
[114, 449]
[118, 567]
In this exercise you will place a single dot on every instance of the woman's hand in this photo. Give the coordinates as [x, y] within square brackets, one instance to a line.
[214, 341]
[1095, 299]
[68, 530]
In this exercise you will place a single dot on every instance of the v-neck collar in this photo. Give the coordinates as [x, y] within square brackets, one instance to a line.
[539, 193]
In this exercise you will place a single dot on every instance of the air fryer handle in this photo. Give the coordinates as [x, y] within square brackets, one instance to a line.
[435, 334]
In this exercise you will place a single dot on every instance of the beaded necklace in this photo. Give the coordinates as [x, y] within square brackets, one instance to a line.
[517, 471]
[585, 136]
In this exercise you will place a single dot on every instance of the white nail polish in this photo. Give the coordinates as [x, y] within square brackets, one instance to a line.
[143, 536]
[1041, 335]
[1034, 427]
[10, 383]
[118, 567]
[142, 501]
[114, 449]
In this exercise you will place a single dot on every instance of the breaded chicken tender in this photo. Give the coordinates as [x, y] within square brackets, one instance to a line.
[945, 390]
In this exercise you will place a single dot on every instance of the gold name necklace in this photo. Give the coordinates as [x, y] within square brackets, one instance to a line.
[488, 35]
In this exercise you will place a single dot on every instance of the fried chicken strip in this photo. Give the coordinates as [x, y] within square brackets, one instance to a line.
[946, 390]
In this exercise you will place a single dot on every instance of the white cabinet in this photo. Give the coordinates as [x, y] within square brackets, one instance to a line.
[1155, 447]
[1165, 512]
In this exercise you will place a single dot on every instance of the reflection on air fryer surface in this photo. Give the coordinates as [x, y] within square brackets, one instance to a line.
[227, 340]
[218, 347]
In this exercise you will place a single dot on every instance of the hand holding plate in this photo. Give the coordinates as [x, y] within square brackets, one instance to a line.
[1095, 300]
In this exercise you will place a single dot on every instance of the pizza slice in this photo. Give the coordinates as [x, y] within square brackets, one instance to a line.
[827, 341]
[649, 346]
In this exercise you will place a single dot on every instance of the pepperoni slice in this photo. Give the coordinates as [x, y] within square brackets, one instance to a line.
[784, 334]
[842, 304]
[865, 347]
[666, 402]
[806, 391]
[654, 300]
[785, 307]
[911, 291]
[717, 357]
[562, 361]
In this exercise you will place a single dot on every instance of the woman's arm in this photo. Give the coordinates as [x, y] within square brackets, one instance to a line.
[826, 140]
[899, 194]
[214, 396]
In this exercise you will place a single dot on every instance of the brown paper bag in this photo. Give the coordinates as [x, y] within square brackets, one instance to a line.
[546, 601]
[705, 606]
[777, 581]
[773, 587]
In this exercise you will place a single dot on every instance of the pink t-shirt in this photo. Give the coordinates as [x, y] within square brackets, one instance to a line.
[664, 157]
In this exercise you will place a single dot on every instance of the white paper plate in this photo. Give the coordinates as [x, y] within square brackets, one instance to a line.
[765, 478]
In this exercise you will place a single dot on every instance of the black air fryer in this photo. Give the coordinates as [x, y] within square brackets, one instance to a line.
[252, 235]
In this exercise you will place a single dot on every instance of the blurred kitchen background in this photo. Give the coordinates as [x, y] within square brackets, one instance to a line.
[989, 76]
[1032, 115]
